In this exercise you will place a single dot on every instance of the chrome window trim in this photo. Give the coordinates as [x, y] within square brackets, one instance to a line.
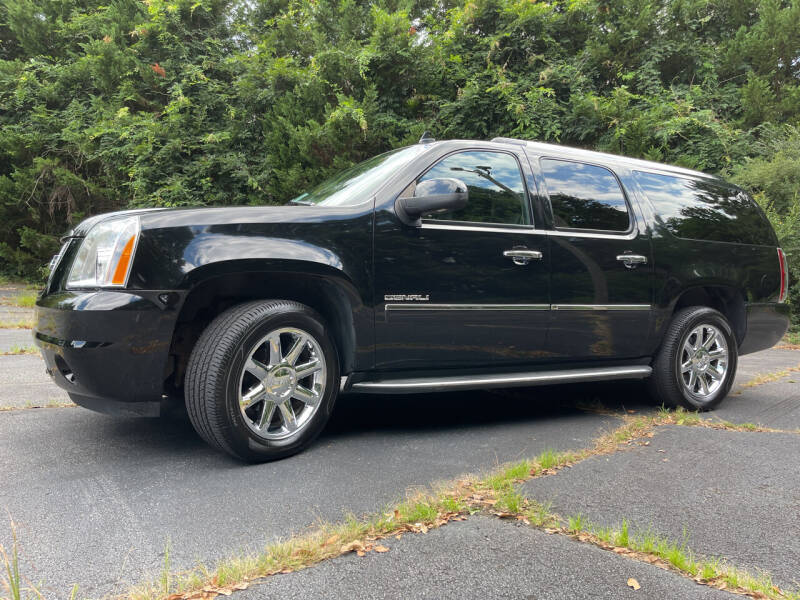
[602, 236]
[531, 231]
[423, 306]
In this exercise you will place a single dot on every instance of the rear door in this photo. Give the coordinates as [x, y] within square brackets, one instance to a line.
[601, 263]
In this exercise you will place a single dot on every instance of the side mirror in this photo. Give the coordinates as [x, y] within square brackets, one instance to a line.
[432, 196]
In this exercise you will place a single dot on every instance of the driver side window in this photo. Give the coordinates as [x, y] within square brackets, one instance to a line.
[496, 188]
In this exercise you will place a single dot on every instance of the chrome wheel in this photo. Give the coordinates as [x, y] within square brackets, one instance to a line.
[703, 361]
[282, 383]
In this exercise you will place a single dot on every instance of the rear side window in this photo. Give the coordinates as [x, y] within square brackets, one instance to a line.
[703, 210]
[584, 196]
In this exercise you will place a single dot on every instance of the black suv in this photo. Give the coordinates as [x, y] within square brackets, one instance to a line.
[440, 266]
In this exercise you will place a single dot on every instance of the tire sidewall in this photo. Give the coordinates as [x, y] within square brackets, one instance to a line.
[242, 439]
[705, 317]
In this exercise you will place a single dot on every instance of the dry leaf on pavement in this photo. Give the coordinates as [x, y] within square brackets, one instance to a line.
[633, 583]
[355, 546]
[381, 549]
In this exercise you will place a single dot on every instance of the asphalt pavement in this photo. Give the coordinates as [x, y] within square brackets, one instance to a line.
[96, 499]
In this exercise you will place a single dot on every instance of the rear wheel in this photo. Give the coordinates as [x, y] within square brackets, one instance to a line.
[262, 380]
[697, 361]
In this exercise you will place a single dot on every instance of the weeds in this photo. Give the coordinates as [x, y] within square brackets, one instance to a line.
[18, 324]
[16, 349]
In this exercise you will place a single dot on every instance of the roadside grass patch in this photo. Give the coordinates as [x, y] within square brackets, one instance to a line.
[16, 349]
[649, 547]
[32, 405]
[17, 324]
[770, 377]
[27, 300]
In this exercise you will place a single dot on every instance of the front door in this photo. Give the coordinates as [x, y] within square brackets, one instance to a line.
[469, 288]
[601, 262]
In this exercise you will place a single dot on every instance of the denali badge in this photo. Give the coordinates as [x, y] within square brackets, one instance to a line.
[407, 297]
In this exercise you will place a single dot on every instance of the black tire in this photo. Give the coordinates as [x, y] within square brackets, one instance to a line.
[666, 384]
[212, 382]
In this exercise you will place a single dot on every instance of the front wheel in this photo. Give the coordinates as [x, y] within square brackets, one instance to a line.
[696, 364]
[262, 380]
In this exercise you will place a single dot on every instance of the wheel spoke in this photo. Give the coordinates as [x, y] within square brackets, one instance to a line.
[686, 366]
[266, 414]
[253, 396]
[718, 353]
[297, 348]
[715, 375]
[288, 416]
[256, 369]
[703, 385]
[307, 396]
[692, 379]
[274, 342]
[309, 368]
[688, 348]
[712, 338]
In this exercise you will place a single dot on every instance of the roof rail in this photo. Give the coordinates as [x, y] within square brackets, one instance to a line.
[505, 140]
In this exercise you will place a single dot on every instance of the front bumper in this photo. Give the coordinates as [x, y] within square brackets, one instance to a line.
[108, 349]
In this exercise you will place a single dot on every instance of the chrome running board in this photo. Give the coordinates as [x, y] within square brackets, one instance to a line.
[473, 382]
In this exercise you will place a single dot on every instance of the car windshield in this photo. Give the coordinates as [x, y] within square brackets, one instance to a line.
[356, 184]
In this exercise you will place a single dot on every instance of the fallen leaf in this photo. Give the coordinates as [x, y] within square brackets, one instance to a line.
[396, 514]
[631, 411]
[331, 540]
[361, 553]
[633, 583]
[504, 515]
[381, 549]
[355, 546]
[399, 536]
[645, 443]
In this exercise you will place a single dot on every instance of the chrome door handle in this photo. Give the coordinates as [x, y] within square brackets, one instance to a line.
[522, 257]
[631, 260]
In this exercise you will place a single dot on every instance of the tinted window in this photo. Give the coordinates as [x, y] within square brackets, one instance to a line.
[702, 210]
[584, 196]
[496, 191]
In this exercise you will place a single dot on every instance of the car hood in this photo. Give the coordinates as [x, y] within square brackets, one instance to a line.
[157, 218]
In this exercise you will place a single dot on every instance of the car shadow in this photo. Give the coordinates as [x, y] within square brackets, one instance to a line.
[391, 415]
[368, 412]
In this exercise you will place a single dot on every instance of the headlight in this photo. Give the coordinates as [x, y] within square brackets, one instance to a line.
[106, 253]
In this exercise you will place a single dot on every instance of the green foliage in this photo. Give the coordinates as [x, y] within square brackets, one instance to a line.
[107, 105]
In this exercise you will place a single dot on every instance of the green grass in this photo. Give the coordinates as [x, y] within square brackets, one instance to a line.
[27, 300]
[678, 556]
[792, 337]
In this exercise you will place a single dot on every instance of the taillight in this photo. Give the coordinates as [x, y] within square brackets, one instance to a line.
[784, 291]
